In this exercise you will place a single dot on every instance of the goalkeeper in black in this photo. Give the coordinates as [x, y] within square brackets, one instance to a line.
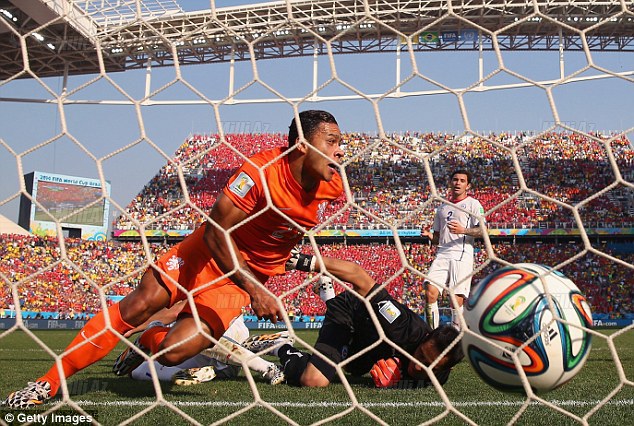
[349, 329]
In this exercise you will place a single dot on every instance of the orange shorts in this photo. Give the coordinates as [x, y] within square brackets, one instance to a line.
[191, 269]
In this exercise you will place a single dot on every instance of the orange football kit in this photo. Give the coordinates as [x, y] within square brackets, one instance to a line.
[265, 242]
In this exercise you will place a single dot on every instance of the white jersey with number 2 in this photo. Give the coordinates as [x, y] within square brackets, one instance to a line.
[457, 246]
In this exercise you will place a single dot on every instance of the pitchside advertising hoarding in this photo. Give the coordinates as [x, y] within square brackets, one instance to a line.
[77, 202]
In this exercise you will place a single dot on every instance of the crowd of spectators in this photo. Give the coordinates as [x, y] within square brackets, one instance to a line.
[394, 181]
[66, 281]
[389, 179]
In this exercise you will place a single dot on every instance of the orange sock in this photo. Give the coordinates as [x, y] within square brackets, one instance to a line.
[152, 338]
[95, 349]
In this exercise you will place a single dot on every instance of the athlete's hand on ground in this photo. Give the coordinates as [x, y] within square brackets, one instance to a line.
[301, 262]
[386, 372]
[265, 306]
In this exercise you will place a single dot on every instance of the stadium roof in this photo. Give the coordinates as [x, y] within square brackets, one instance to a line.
[64, 37]
[9, 227]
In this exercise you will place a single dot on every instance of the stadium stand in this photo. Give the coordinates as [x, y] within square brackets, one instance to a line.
[390, 182]
[387, 181]
[48, 287]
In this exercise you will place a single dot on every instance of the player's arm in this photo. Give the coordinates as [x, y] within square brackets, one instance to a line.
[349, 272]
[476, 231]
[342, 269]
[434, 237]
[433, 232]
[226, 215]
[456, 228]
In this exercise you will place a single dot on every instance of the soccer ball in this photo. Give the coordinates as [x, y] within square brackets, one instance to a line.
[507, 309]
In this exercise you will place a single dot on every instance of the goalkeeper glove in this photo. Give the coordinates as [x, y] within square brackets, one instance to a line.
[301, 262]
[386, 372]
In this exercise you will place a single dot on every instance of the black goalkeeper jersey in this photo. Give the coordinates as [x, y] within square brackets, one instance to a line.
[348, 329]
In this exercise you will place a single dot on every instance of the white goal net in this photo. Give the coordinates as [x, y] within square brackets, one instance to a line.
[162, 103]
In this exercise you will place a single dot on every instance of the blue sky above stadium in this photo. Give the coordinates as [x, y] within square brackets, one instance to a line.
[104, 129]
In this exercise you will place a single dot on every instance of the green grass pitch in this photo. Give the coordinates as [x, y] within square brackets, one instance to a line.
[114, 399]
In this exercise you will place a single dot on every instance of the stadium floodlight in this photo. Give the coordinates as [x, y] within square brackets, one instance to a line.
[38, 36]
[9, 15]
[50, 46]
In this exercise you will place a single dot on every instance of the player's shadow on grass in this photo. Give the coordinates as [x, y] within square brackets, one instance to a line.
[126, 387]
[129, 388]
[123, 386]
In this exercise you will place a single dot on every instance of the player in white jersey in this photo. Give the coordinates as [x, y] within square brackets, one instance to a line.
[456, 225]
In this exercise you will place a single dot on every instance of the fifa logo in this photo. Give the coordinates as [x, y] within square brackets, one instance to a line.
[518, 302]
[241, 184]
[389, 311]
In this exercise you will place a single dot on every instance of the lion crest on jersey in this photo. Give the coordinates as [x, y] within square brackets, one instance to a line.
[321, 211]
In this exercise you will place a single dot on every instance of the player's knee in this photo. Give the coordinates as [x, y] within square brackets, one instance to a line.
[177, 354]
[314, 380]
[460, 299]
[172, 358]
[135, 310]
[144, 301]
[431, 294]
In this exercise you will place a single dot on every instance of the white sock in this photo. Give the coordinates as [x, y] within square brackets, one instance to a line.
[455, 316]
[433, 318]
[326, 289]
[165, 373]
[237, 330]
[256, 363]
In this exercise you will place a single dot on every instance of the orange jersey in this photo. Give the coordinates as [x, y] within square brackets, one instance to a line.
[266, 240]
[191, 269]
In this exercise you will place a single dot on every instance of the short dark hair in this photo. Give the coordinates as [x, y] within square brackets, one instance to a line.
[310, 121]
[444, 336]
[462, 172]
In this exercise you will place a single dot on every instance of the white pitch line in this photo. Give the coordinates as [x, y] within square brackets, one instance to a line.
[316, 404]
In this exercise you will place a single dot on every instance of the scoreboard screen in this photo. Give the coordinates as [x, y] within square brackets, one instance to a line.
[79, 205]
[61, 200]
